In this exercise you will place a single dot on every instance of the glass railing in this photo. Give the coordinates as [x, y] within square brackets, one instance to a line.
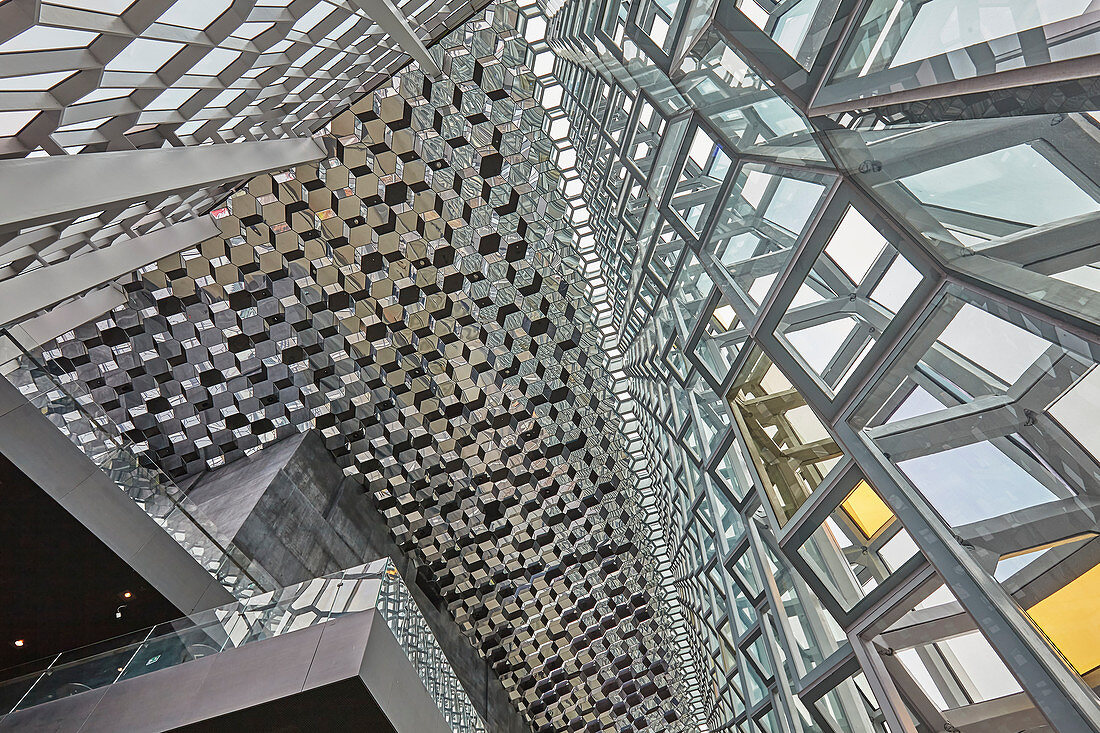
[75, 413]
[376, 585]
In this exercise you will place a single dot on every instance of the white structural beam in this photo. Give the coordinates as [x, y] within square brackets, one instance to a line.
[41, 190]
[46, 327]
[33, 291]
[41, 329]
[396, 26]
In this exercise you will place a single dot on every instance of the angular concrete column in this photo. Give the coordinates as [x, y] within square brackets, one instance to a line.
[291, 510]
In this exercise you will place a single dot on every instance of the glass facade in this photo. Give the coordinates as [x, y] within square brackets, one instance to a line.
[859, 330]
[731, 366]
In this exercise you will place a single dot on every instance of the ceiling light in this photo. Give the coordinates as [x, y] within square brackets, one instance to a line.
[19, 642]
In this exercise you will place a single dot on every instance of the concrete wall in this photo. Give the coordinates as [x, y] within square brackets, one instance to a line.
[292, 511]
[275, 504]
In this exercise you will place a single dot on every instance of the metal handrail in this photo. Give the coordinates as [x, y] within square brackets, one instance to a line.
[115, 446]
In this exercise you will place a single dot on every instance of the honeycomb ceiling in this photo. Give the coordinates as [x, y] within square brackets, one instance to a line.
[416, 298]
[85, 76]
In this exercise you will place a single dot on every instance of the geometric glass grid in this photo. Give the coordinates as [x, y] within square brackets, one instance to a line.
[730, 366]
[78, 78]
[414, 299]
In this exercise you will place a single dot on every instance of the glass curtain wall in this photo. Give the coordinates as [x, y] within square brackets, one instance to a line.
[860, 347]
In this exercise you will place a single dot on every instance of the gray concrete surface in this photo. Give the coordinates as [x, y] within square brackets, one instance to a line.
[294, 513]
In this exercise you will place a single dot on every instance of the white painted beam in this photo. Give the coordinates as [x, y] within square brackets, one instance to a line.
[41, 190]
[31, 292]
[394, 23]
[46, 327]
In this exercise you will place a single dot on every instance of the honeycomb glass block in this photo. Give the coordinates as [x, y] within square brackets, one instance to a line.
[417, 299]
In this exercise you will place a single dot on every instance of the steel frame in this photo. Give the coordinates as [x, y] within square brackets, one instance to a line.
[960, 560]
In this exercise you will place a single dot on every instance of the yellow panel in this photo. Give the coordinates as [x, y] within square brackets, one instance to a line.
[1047, 545]
[867, 509]
[725, 316]
[1068, 618]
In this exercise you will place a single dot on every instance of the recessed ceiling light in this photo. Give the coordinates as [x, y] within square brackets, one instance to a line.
[127, 594]
[19, 642]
